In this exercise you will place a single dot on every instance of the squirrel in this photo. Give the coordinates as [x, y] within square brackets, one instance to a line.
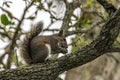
[37, 49]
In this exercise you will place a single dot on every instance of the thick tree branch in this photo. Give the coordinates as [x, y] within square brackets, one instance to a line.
[113, 49]
[51, 69]
[108, 6]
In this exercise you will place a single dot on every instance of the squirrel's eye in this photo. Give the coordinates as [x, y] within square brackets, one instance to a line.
[60, 45]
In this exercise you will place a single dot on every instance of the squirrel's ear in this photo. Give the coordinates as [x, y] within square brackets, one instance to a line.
[60, 33]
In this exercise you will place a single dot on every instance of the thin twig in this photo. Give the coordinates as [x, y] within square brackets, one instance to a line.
[14, 38]
[8, 13]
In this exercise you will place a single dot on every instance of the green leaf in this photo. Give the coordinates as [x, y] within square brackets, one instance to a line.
[40, 7]
[50, 4]
[37, 0]
[31, 17]
[10, 14]
[5, 20]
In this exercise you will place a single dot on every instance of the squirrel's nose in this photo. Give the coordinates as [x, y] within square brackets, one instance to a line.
[65, 51]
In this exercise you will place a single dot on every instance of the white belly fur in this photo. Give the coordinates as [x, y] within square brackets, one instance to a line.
[49, 51]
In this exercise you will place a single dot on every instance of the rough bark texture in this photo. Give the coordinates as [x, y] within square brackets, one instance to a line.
[107, 6]
[51, 69]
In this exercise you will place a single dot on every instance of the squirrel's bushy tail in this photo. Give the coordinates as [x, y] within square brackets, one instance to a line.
[25, 48]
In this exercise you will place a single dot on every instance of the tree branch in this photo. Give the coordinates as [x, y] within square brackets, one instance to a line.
[68, 33]
[113, 49]
[108, 6]
[10, 47]
[8, 13]
[69, 12]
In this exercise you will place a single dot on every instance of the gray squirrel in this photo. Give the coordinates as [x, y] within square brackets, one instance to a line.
[37, 49]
